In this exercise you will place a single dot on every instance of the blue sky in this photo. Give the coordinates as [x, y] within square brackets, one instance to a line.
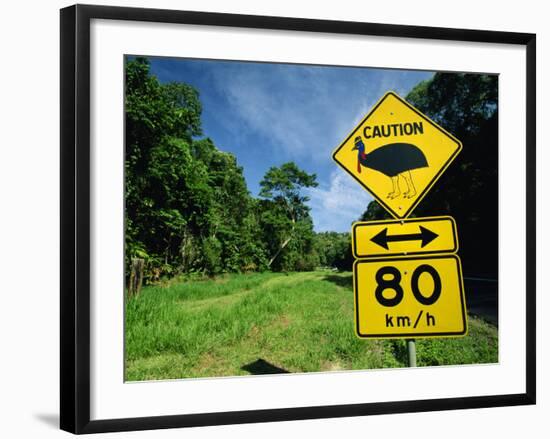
[268, 114]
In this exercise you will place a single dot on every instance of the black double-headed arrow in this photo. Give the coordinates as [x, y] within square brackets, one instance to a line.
[425, 235]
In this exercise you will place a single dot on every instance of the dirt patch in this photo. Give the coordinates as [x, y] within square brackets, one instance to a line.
[330, 366]
[283, 321]
[210, 365]
[206, 361]
[254, 331]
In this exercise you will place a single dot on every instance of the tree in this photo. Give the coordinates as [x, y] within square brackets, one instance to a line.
[285, 213]
[233, 213]
[166, 193]
[187, 204]
[334, 250]
[374, 212]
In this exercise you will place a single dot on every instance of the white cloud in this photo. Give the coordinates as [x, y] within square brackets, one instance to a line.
[298, 111]
[337, 205]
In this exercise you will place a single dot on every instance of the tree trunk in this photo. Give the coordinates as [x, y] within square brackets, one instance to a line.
[283, 245]
[136, 277]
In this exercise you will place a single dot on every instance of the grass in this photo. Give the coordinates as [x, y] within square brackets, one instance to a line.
[243, 324]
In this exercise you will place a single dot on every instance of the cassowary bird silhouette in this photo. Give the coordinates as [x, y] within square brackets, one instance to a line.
[393, 160]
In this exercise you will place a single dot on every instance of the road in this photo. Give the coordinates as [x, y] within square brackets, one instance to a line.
[482, 298]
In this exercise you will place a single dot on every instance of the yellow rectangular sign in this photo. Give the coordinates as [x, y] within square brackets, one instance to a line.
[404, 237]
[409, 297]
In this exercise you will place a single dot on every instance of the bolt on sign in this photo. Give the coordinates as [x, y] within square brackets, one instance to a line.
[407, 278]
[397, 154]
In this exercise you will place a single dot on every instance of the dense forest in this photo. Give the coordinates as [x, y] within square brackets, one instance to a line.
[188, 209]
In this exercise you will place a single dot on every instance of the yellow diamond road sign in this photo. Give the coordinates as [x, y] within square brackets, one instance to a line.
[397, 154]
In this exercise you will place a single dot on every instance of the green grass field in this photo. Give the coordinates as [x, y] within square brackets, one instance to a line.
[243, 324]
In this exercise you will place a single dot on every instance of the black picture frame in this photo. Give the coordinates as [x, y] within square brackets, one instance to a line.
[75, 217]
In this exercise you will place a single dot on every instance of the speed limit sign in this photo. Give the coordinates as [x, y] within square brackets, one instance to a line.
[409, 297]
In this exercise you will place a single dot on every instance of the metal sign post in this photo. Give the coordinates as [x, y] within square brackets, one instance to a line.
[411, 352]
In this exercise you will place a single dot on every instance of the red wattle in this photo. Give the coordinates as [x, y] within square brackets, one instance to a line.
[358, 166]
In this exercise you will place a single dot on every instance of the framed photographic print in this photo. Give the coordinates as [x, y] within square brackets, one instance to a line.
[268, 218]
